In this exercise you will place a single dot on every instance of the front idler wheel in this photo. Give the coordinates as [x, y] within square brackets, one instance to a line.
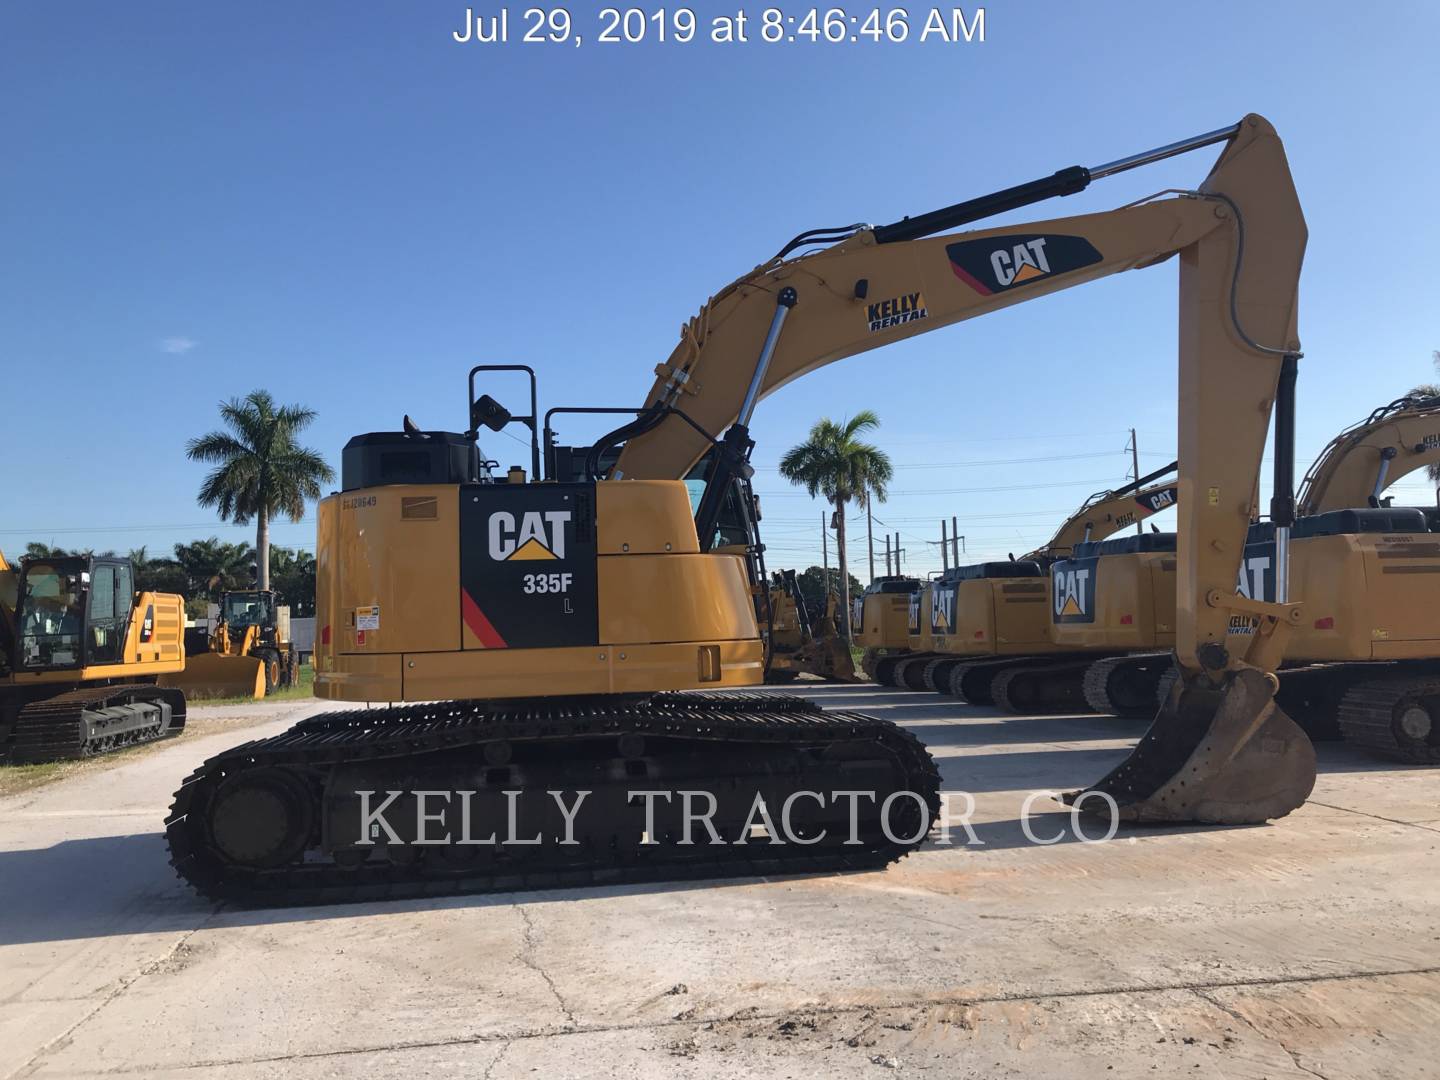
[262, 818]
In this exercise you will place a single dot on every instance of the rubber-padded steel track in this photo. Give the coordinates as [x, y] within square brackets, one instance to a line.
[910, 673]
[927, 676]
[75, 724]
[970, 680]
[1127, 686]
[885, 669]
[1040, 688]
[1396, 717]
[795, 746]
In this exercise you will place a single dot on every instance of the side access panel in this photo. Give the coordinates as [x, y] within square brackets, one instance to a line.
[528, 566]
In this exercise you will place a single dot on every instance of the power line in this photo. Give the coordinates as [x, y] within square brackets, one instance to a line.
[958, 491]
[150, 528]
[997, 461]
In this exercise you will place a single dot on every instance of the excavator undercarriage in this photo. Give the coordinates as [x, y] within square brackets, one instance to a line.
[279, 821]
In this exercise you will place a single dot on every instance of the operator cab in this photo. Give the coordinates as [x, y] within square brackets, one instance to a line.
[71, 612]
[241, 610]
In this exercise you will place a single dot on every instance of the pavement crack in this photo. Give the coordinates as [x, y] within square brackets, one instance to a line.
[1241, 1018]
[527, 956]
[62, 1040]
[767, 1017]
[495, 1061]
[1376, 817]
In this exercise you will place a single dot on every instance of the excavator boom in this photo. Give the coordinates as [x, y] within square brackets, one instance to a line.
[1358, 465]
[1107, 512]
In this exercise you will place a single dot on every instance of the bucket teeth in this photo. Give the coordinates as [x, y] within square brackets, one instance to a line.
[1227, 756]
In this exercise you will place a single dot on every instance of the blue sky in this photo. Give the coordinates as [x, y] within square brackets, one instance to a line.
[340, 204]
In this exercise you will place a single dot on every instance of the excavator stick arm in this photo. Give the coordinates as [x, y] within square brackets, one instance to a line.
[1240, 239]
[1108, 513]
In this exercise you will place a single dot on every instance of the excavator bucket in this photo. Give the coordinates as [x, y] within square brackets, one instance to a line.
[828, 658]
[1217, 756]
[835, 661]
[211, 674]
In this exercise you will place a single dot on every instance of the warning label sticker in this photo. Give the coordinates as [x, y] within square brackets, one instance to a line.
[367, 618]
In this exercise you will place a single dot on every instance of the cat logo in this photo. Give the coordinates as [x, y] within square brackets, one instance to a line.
[1072, 587]
[1254, 582]
[1003, 262]
[914, 615]
[1020, 263]
[1156, 501]
[896, 311]
[942, 609]
[539, 535]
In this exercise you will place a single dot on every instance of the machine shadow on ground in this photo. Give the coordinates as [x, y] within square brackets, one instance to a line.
[124, 885]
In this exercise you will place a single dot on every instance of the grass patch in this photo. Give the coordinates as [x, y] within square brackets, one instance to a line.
[17, 778]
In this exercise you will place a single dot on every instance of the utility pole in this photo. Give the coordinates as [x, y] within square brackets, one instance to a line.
[944, 547]
[825, 549]
[1135, 463]
[956, 539]
[888, 571]
[870, 537]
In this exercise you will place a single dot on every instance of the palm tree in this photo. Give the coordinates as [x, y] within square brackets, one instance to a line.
[833, 462]
[212, 566]
[260, 470]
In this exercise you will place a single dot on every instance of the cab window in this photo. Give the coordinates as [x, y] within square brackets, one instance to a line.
[111, 594]
[52, 616]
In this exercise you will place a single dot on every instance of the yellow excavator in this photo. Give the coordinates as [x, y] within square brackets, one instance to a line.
[1347, 555]
[528, 635]
[802, 644]
[974, 622]
[248, 654]
[884, 616]
[1364, 663]
[80, 652]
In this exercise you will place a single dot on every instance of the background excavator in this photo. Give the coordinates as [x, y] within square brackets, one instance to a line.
[884, 616]
[249, 653]
[802, 642]
[1125, 588]
[539, 627]
[974, 622]
[1365, 572]
[80, 652]
[1365, 661]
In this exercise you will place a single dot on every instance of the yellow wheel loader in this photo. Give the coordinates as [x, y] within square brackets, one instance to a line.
[248, 654]
[528, 638]
[988, 618]
[80, 652]
[884, 615]
[801, 644]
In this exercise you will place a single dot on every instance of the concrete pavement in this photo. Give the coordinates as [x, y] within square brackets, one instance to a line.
[1307, 948]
